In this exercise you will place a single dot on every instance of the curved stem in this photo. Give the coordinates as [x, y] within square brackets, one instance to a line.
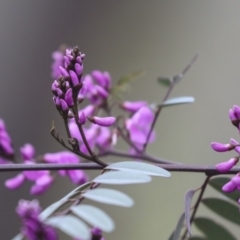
[195, 208]
[173, 83]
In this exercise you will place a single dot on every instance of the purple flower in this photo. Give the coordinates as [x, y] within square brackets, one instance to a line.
[58, 60]
[139, 126]
[229, 187]
[102, 78]
[32, 227]
[226, 166]
[42, 179]
[97, 92]
[219, 147]
[133, 106]
[76, 176]
[102, 121]
[6, 149]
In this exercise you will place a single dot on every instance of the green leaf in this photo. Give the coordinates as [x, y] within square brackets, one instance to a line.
[187, 203]
[223, 208]
[140, 167]
[127, 79]
[94, 216]
[18, 237]
[213, 230]
[176, 234]
[122, 177]
[177, 101]
[109, 196]
[218, 182]
[70, 225]
[124, 82]
[55, 206]
[165, 81]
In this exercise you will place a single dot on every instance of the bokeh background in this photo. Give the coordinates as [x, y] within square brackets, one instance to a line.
[159, 36]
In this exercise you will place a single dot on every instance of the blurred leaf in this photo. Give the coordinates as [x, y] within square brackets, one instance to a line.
[124, 82]
[94, 216]
[70, 225]
[55, 206]
[176, 234]
[18, 237]
[109, 196]
[122, 177]
[223, 208]
[218, 182]
[177, 101]
[187, 204]
[213, 230]
[140, 167]
[165, 81]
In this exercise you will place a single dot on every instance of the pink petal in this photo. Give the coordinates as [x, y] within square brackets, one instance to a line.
[16, 182]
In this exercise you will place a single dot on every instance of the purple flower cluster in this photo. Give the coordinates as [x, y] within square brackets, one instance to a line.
[6, 149]
[76, 176]
[234, 183]
[42, 179]
[33, 228]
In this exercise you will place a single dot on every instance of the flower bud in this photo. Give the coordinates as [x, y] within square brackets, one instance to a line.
[236, 179]
[229, 187]
[219, 147]
[16, 182]
[103, 121]
[82, 118]
[69, 98]
[74, 78]
[63, 71]
[78, 69]
[133, 106]
[64, 106]
[236, 110]
[226, 166]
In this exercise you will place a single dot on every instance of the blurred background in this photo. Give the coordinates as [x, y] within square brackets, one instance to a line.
[121, 37]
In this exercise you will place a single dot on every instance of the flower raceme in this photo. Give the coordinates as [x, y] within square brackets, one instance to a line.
[234, 183]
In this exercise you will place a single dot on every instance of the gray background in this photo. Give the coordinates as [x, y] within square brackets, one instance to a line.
[122, 36]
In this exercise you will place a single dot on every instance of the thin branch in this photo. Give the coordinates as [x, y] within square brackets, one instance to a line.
[60, 140]
[173, 83]
[209, 170]
[195, 208]
[80, 128]
[136, 156]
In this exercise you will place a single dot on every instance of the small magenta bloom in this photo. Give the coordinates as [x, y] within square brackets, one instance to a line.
[102, 78]
[133, 106]
[32, 227]
[219, 147]
[58, 60]
[226, 166]
[76, 176]
[102, 121]
[229, 187]
[6, 149]
[236, 144]
[42, 179]
[139, 126]
[15, 182]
